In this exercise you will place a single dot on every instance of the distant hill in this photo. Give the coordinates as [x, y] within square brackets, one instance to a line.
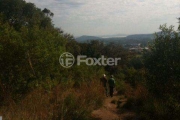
[140, 36]
[85, 38]
[113, 36]
[143, 39]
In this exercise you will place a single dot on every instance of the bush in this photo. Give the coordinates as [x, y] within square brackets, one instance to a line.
[61, 102]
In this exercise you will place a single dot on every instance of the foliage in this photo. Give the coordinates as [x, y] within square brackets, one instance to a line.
[31, 78]
[34, 86]
[162, 62]
[61, 102]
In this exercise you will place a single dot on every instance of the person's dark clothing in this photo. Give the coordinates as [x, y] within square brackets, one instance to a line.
[111, 83]
[111, 90]
[104, 83]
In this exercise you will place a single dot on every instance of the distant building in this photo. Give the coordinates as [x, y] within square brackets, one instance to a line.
[137, 47]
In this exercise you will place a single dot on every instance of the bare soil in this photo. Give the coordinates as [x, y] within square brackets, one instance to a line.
[109, 110]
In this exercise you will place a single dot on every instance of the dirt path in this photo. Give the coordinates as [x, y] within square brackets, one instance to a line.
[109, 111]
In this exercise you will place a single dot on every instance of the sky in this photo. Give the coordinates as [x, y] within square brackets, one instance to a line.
[110, 17]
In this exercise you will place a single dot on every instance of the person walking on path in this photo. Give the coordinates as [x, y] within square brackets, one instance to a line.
[111, 83]
[104, 83]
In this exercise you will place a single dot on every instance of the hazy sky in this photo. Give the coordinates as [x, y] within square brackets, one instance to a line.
[106, 17]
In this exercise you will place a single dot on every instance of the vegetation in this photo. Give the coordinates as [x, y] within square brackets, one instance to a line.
[143, 39]
[33, 85]
[156, 95]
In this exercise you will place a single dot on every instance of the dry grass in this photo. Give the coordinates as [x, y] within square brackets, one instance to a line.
[63, 102]
[139, 92]
[136, 97]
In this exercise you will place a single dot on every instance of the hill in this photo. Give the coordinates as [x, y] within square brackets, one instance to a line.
[120, 39]
[86, 38]
[141, 36]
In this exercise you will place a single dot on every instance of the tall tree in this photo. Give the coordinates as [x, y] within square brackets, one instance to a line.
[162, 61]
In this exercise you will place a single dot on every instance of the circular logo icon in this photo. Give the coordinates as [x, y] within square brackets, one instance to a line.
[66, 59]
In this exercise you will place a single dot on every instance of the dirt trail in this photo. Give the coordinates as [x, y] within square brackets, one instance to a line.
[109, 111]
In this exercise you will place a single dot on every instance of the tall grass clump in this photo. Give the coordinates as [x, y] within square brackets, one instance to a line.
[62, 102]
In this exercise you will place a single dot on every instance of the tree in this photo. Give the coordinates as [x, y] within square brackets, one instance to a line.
[47, 12]
[163, 68]
[19, 13]
[29, 52]
[162, 62]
